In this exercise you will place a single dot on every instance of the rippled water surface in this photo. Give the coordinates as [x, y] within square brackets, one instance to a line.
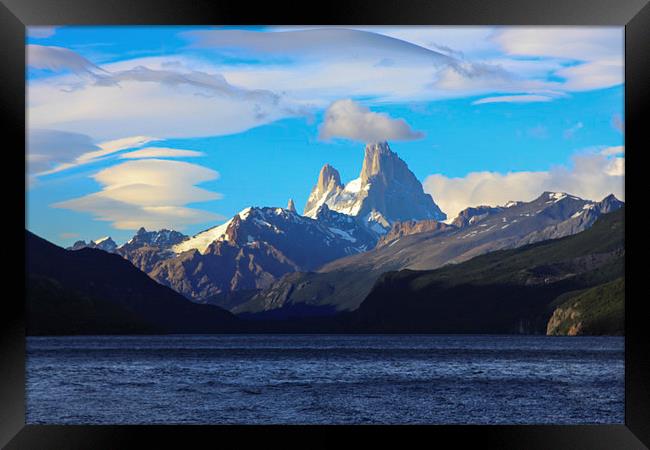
[314, 379]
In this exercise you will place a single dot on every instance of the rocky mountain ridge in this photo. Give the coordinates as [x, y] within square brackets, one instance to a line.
[344, 283]
[251, 250]
[410, 227]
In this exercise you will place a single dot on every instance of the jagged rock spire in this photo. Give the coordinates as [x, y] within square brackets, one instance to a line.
[328, 184]
[378, 158]
[386, 191]
[328, 178]
[291, 206]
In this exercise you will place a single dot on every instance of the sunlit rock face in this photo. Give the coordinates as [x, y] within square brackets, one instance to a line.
[385, 192]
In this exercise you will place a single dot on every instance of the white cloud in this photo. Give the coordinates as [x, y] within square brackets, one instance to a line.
[494, 82]
[513, 99]
[59, 59]
[388, 63]
[609, 151]
[465, 41]
[616, 167]
[307, 69]
[576, 43]
[376, 47]
[591, 176]
[161, 152]
[116, 145]
[595, 52]
[152, 193]
[466, 59]
[315, 44]
[104, 149]
[593, 75]
[136, 107]
[206, 83]
[348, 119]
[176, 98]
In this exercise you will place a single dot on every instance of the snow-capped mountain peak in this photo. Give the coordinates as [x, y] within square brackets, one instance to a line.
[386, 191]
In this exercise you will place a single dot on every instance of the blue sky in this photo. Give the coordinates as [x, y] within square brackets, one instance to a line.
[183, 127]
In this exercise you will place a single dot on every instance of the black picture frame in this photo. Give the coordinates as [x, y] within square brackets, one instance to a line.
[15, 15]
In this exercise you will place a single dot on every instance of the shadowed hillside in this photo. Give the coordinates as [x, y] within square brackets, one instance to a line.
[511, 291]
[90, 291]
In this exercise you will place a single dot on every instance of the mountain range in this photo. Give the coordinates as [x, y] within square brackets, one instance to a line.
[572, 285]
[343, 284]
[271, 262]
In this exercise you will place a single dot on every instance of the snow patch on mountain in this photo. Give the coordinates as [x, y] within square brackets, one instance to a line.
[202, 241]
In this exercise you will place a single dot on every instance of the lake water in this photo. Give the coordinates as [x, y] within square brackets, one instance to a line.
[323, 379]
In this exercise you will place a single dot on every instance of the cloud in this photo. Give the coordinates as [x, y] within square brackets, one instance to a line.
[576, 43]
[116, 145]
[151, 101]
[152, 193]
[465, 41]
[59, 59]
[161, 152]
[593, 75]
[348, 119]
[41, 32]
[341, 44]
[206, 84]
[314, 44]
[593, 55]
[459, 84]
[514, 99]
[49, 148]
[372, 60]
[196, 94]
[609, 151]
[616, 167]
[591, 176]
[99, 152]
[176, 99]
